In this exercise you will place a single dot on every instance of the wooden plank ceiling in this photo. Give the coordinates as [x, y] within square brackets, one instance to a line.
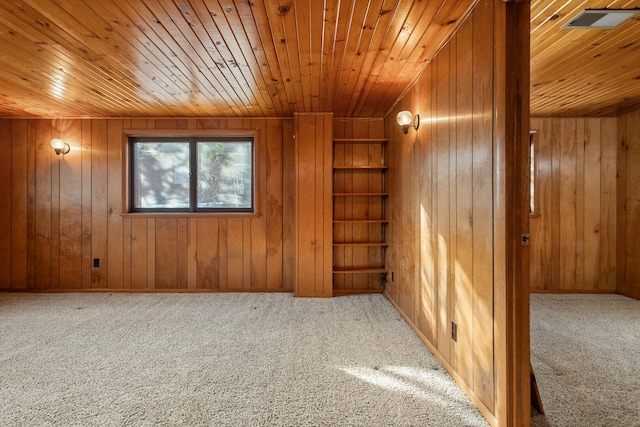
[583, 72]
[228, 58]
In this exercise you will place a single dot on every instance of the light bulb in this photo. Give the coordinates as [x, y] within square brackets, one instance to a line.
[57, 144]
[404, 118]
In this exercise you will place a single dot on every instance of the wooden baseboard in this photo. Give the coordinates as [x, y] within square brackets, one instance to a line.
[570, 291]
[634, 294]
[146, 291]
[304, 295]
[486, 412]
[345, 292]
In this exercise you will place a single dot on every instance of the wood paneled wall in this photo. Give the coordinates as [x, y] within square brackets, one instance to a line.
[62, 212]
[313, 205]
[456, 202]
[573, 231]
[628, 205]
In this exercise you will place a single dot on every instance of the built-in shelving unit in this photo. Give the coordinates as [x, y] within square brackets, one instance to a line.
[359, 222]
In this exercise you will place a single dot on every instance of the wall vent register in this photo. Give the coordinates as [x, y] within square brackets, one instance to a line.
[603, 19]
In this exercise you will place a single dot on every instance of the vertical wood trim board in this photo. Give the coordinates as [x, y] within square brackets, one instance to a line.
[621, 203]
[313, 205]
[628, 208]
[457, 207]
[62, 212]
[6, 202]
[511, 215]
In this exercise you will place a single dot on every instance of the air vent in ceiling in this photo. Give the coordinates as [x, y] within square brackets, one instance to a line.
[603, 19]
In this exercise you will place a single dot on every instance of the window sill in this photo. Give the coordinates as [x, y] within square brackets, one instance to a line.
[221, 215]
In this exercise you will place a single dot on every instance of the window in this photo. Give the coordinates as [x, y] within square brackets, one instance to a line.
[533, 175]
[191, 174]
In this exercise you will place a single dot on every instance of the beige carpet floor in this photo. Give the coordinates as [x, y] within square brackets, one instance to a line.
[219, 360]
[585, 351]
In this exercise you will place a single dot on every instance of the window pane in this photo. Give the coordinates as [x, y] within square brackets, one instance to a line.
[161, 175]
[532, 173]
[225, 175]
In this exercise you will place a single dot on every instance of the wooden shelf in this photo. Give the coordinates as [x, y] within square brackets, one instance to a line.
[361, 194]
[360, 167]
[363, 244]
[360, 140]
[374, 213]
[368, 270]
[359, 221]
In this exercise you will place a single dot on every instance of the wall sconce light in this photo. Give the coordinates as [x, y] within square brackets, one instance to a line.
[405, 120]
[59, 146]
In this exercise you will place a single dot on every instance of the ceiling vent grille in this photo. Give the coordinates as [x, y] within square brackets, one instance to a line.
[603, 19]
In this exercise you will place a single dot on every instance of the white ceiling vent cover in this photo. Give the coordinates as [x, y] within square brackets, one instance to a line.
[604, 19]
